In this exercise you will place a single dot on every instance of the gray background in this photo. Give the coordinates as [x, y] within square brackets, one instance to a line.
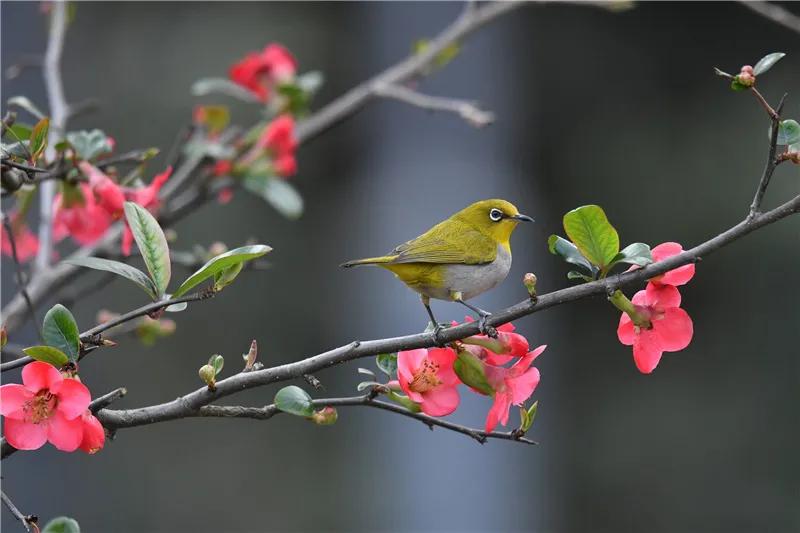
[619, 109]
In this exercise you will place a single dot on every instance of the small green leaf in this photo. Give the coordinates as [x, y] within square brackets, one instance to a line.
[215, 117]
[152, 245]
[574, 274]
[121, 269]
[589, 229]
[20, 132]
[766, 62]
[403, 400]
[367, 385]
[387, 362]
[24, 103]
[38, 139]
[524, 419]
[225, 277]
[570, 253]
[366, 372]
[278, 193]
[637, 254]
[89, 144]
[529, 417]
[216, 362]
[62, 524]
[60, 331]
[788, 132]
[47, 354]
[223, 86]
[220, 263]
[470, 370]
[295, 401]
[738, 87]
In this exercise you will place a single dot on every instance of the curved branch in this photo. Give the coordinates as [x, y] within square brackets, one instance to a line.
[190, 403]
[267, 412]
[775, 13]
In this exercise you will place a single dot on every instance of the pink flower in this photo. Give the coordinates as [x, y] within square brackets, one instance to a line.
[279, 140]
[46, 407]
[670, 329]
[109, 195]
[25, 240]
[85, 221]
[428, 378]
[507, 346]
[678, 276]
[512, 386]
[260, 71]
[94, 436]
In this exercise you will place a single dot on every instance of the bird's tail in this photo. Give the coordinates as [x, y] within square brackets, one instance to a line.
[369, 261]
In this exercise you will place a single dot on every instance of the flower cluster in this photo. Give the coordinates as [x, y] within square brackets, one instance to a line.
[431, 377]
[656, 323]
[49, 407]
[261, 72]
[279, 142]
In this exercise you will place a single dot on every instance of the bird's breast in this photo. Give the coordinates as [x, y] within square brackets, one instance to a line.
[472, 280]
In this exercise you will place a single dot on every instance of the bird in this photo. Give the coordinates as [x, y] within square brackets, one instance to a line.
[457, 259]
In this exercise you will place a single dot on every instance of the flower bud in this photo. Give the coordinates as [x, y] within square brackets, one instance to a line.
[209, 376]
[250, 357]
[470, 370]
[326, 416]
[529, 280]
[747, 69]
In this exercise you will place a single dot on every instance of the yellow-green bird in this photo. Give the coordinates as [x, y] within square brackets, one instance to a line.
[457, 259]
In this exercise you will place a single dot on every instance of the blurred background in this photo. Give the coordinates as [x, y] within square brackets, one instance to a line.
[619, 109]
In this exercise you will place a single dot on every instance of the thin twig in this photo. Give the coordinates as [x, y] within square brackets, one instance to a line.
[466, 110]
[775, 13]
[772, 161]
[267, 412]
[90, 335]
[21, 281]
[768, 108]
[58, 119]
[28, 521]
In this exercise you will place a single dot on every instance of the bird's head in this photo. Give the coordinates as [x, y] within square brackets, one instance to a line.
[495, 218]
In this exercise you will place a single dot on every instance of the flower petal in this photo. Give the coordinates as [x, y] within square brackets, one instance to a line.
[663, 296]
[409, 361]
[12, 400]
[647, 351]
[498, 411]
[440, 401]
[38, 375]
[678, 276]
[64, 434]
[522, 387]
[73, 398]
[94, 436]
[24, 435]
[675, 330]
[626, 331]
[445, 358]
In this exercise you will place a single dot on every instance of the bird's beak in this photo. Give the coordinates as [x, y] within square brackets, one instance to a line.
[522, 218]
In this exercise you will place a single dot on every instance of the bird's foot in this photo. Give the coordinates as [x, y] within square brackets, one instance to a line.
[435, 329]
[485, 328]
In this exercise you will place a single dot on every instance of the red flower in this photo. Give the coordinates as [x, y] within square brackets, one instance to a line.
[47, 407]
[109, 195]
[512, 385]
[278, 138]
[85, 222]
[25, 240]
[260, 71]
[94, 436]
[670, 328]
[678, 276]
[428, 378]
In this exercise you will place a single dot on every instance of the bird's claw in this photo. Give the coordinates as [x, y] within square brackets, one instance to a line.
[437, 329]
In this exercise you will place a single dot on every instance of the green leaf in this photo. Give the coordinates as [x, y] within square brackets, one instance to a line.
[470, 371]
[366, 372]
[217, 362]
[529, 416]
[60, 331]
[152, 245]
[47, 354]
[62, 524]
[405, 401]
[223, 86]
[387, 362]
[278, 193]
[637, 254]
[589, 229]
[225, 277]
[89, 144]
[24, 103]
[570, 253]
[215, 117]
[38, 139]
[766, 62]
[220, 263]
[121, 269]
[738, 87]
[367, 385]
[574, 274]
[297, 100]
[295, 401]
[20, 132]
[788, 132]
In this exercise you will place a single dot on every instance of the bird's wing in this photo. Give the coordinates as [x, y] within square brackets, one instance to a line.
[438, 245]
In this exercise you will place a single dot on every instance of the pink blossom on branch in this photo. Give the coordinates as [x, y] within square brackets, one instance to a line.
[678, 276]
[512, 386]
[507, 346]
[279, 140]
[259, 72]
[428, 378]
[46, 407]
[670, 327]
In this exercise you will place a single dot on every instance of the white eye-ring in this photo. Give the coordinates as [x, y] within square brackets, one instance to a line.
[496, 215]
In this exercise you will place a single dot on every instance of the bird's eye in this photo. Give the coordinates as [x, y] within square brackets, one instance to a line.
[496, 215]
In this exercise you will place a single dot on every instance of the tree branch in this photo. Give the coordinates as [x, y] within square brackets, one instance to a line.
[27, 521]
[775, 13]
[91, 335]
[772, 161]
[22, 283]
[466, 110]
[58, 118]
[366, 400]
